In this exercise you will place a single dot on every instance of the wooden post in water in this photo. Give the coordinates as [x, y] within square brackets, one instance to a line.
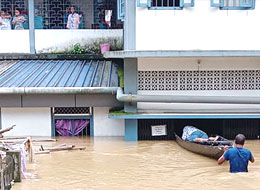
[16, 155]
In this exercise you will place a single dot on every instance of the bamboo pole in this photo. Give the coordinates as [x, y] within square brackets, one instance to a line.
[6, 129]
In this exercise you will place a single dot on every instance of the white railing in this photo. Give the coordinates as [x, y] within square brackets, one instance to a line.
[56, 41]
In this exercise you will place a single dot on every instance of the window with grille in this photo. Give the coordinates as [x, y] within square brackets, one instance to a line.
[165, 4]
[233, 4]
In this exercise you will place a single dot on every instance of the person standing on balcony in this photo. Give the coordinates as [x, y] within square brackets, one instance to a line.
[18, 20]
[5, 23]
[101, 19]
[73, 19]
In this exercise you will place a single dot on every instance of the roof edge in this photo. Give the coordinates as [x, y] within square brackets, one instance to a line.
[57, 90]
[49, 56]
[181, 53]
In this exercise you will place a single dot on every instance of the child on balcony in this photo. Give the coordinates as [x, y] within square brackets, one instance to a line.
[18, 20]
[5, 23]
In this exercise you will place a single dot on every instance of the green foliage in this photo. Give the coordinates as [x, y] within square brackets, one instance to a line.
[120, 112]
[78, 49]
[120, 73]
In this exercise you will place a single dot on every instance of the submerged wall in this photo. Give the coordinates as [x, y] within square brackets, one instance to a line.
[28, 121]
[103, 126]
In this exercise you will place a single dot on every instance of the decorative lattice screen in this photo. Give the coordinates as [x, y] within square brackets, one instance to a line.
[199, 80]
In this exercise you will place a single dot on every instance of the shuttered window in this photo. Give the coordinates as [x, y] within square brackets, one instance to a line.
[233, 4]
[121, 10]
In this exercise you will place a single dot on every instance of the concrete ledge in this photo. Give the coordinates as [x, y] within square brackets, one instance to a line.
[184, 53]
[184, 116]
[22, 56]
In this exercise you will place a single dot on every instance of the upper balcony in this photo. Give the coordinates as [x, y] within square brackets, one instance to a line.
[56, 29]
[197, 25]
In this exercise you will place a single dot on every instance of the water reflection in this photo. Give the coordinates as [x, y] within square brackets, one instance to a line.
[112, 163]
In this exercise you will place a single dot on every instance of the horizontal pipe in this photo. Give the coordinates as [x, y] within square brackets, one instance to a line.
[58, 90]
[186, 98]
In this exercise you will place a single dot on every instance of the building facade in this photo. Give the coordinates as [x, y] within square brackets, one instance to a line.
[185, 62]
[189, 63]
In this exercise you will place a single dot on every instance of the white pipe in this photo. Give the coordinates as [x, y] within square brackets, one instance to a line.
[186, 98]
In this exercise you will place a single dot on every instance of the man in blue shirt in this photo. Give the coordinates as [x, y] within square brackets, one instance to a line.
[238, 156]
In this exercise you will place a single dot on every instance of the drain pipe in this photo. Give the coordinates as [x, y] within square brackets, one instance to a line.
[58, 90]
[185, 98]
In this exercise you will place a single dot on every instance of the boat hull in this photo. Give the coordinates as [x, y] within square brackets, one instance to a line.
[205, 150]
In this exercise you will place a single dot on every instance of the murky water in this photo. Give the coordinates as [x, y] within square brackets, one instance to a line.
[112, 163]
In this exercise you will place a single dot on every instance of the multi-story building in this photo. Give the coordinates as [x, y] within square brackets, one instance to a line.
[185, 62]
[190, 62]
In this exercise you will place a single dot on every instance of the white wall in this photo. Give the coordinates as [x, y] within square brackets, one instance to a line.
[14, 41]
[28, 121]
[191, 64]
[47, 41]
[103, 126]
[201, 27]
[205, 63]
[62, 40]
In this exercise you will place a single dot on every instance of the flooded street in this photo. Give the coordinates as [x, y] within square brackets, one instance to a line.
[112, 163]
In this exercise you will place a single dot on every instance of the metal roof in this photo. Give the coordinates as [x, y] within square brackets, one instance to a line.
[58, 73]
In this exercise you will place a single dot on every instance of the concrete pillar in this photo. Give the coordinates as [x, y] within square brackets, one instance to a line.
[130, 82]
[130, 25]
[131, 130]
[31, 26]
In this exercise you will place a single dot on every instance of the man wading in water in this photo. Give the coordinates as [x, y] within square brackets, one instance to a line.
[238, 156]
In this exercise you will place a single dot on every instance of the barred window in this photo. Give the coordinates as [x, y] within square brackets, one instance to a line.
[165, 3]
[233, 4]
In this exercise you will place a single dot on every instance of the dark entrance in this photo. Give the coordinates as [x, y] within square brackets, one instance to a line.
[228, 128]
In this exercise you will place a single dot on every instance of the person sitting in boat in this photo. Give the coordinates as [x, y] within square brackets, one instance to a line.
[193, 134]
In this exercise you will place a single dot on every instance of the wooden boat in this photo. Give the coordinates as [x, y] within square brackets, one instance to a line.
[213, 149]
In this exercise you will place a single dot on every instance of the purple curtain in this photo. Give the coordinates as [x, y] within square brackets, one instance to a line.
[64, 126]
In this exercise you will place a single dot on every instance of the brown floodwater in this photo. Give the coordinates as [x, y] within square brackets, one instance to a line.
[112, 163]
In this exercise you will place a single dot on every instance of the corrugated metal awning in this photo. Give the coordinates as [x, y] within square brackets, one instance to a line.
[58, 73]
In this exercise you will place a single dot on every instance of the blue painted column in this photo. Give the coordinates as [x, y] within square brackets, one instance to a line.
[131, 130]
[91, 126]
[31, 26]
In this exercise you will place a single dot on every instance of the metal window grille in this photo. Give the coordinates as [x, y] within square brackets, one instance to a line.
[10, 5]
[71, 110]
[165, 3]
[53, 14]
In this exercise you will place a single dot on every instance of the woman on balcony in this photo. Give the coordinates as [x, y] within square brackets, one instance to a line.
[73, 19]
[18, 20]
